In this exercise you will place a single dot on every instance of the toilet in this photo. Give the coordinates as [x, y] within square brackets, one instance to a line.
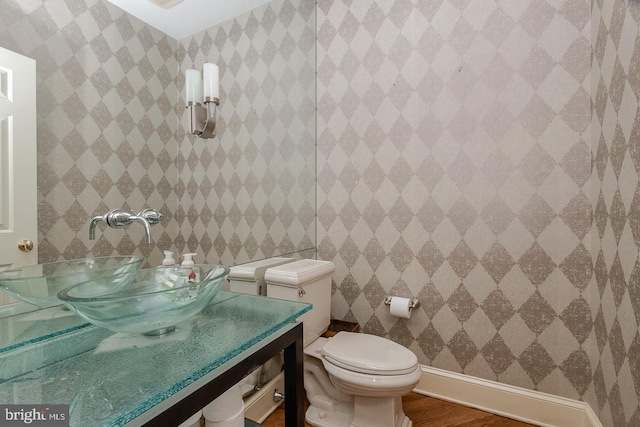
[351, 379]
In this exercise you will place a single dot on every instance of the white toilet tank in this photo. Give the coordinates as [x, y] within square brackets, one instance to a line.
[249, 278]
[307, 281]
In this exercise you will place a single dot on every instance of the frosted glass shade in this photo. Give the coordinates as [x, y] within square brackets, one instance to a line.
[193, 86]
[211, 80]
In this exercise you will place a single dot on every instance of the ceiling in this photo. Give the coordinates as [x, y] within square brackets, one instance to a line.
[188, 17]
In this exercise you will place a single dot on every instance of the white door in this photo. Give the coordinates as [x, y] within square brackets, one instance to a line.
[18, 193]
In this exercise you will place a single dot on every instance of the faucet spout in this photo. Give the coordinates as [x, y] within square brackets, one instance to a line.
[92, 226]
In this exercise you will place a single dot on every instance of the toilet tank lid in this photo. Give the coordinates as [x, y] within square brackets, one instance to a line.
[299, 273]
[255, 270]
[369, 354]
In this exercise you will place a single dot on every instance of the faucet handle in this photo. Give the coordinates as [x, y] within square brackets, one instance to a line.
[117, 218]
[151, 215]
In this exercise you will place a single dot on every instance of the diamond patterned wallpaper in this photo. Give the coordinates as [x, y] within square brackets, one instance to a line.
[108, 117]
[454, 166]
[616, 205]
[106, 87]
[250, 193]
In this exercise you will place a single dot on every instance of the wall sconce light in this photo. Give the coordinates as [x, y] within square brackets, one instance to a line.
[202, 118]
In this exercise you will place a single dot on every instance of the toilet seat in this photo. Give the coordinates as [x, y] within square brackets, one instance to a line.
[369, 354]
[372, 385]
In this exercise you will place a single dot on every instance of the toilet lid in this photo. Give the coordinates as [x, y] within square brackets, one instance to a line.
[369, 354]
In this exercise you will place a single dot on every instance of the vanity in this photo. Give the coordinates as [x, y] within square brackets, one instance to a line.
[116, 379]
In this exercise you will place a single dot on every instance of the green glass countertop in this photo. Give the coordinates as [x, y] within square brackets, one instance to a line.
[108, 379]
[31, 327]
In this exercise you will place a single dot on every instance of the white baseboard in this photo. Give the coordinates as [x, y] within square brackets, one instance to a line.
[529, 406]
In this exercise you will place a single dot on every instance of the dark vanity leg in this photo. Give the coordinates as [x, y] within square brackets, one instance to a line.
[293, 382]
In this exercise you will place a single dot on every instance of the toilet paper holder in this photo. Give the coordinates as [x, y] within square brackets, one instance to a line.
[413, 304]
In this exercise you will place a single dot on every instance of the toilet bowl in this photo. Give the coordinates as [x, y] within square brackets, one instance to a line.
[368, 365]
[351, 379]
[370, 374]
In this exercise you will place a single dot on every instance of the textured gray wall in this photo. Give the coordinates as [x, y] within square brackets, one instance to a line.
[111, 131]
[616, 205]
[454, 166]
[250, 193]
[106, 91]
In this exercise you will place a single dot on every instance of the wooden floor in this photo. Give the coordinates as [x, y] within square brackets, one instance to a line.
[426, 411]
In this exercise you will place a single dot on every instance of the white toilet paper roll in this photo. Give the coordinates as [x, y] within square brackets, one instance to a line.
[400, 307]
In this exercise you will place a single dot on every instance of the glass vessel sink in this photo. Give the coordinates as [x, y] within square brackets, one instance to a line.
[152, 304]
[40, 284]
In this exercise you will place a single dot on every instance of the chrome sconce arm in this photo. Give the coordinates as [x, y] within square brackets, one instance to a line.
[202, 119]
[117, 218]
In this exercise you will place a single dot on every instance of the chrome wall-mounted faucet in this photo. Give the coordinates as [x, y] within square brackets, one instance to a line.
[117, 218]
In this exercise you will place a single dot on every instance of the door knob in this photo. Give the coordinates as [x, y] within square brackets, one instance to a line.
[25, 245]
